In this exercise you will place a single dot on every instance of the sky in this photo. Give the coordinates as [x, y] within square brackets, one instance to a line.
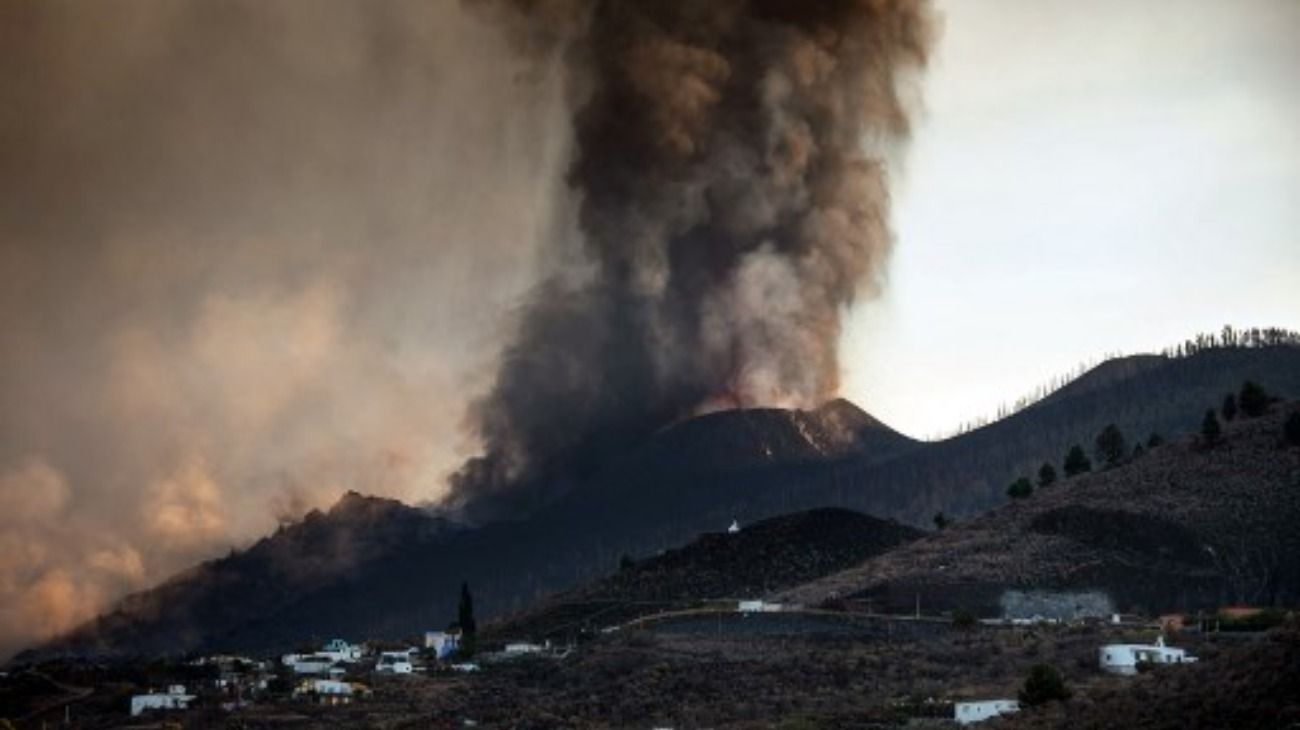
[1086, 178]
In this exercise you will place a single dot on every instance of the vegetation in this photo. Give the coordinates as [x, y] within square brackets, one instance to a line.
[1155, 440]
[1226, 339]
[1291, 429]
[1253, 399]
[1269, 618]
[1229, 408]
[1046, 475]
[1044, 684]
[1020, 488]
[625, 562]
[963, 620]
[1110, 446]
[940, 520]
[1210, 430]
[1076, 462]
[468, 625]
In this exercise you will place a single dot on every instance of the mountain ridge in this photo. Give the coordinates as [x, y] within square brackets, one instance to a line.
[692, 478]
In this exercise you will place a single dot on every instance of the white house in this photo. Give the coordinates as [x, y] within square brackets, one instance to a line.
[341, 651]
[174, 698]
[517, 648]
[395, 662]
[328, 691]
[966, 713]
[310, 663]
[758, 607]
[443, 643]
[1124, 658]
[734, 528]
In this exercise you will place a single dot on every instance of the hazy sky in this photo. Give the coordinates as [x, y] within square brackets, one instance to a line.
[1089, 177]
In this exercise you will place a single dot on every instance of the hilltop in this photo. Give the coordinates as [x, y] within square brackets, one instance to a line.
[1183, 526]
[763, 557]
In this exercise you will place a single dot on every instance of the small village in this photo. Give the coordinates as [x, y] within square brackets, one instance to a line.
[337, 673]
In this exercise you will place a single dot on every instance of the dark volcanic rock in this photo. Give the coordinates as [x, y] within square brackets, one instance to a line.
[761, 558]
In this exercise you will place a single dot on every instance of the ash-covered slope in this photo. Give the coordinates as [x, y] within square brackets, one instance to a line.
[374, 567]
[763, 557]
[219, 598]
[1180, 527]
[1255, 684]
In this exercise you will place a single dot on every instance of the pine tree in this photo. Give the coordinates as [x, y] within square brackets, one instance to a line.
[1210, 430]
[1110, 445]
[1253, 400]
[1154, 440]
[1229, 409]
[1020, 488]
[1076, 462]
[941, 520]
[1046, 475]
[1044, 684]
[465, 617]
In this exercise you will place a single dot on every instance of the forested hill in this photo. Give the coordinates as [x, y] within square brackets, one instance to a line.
[1143, 395]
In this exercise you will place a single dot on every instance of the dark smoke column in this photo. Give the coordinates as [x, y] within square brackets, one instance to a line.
[733, 203]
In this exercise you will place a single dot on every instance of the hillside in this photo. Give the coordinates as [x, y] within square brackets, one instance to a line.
[327, 576]
[763, 557]
[1260, 689]
[1180, 527]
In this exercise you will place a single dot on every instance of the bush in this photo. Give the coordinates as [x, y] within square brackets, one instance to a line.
[1110, 445]
[1253, 400]
[941, 520]
[963, 620]
[1291, 429]
[1154, 440]
[1210, 430]
[1020, 488]
[1044, 684]
[1076, 462]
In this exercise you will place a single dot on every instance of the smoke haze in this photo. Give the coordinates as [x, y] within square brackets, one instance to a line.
[257, 252]
[251, 255]
[730, 163]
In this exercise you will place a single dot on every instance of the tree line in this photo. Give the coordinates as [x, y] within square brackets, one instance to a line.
[1226, 338]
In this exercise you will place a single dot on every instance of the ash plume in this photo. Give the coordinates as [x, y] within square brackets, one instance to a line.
[730, 168]
[252, 255]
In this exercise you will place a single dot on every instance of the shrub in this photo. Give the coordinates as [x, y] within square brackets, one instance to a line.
[1076, 462]
[963, 620]
[1291, 429]
[1044, 684]
[1020, 488]
[1253, 400]
[1154, 440]
[941, 520]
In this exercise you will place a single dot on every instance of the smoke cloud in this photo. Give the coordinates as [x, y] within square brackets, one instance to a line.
[252, 254]
[730, 165]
